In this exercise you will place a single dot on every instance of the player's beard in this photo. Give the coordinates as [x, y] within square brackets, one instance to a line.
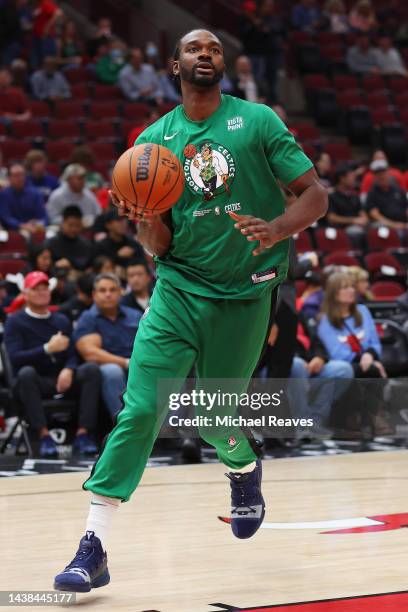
[201, 80]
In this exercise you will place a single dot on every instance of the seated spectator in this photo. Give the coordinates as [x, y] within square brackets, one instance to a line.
[245, 86]
[335, 17]
[40, 259]
[64, 289]
[361, 282]
[167, 84]
[120, 247]
[84, 156]
[324, 169]
[70, 46]
[45, 16]
[345, 208]
[362, 17]
[362, 58]
[102, 264]
[19, 75]
[138, 129]
[306, 16]
[48, 83]
[73, 192]
[389, 59]
[139, 281]
[105, 334]
[21, 207]
[139, 81]
[37, 176]
[43, 358]
[369, 176]
[13, 101]
[4, 180]
[348, 333]
[81, 301]
[102, 36]
[110, 62]
[310, 302]
[69, 249]
[386, 202]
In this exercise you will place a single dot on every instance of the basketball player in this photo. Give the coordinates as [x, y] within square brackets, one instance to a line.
[211, 305]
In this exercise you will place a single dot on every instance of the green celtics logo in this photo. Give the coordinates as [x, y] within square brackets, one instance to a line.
[209, 169]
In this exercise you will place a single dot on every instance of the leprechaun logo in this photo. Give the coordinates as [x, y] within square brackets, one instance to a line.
[209, 168]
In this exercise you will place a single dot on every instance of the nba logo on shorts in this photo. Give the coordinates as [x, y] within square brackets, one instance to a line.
[232, 441]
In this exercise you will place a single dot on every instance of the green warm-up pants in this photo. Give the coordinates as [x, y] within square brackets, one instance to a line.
[223, 338]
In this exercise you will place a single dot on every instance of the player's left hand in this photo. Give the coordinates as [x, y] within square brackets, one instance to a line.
[255, 229]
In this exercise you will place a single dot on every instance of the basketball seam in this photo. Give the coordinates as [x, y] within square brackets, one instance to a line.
[173, 186]
[154, 177]
[117, 188]
[131, 175]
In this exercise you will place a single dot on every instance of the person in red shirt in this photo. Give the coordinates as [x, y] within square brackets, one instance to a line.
[13, 101]
[369, 177]
[45, 15]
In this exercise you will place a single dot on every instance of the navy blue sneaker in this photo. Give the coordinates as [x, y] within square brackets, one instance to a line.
[84, 444]
[88, 570]
[48, 448]
[247, 503]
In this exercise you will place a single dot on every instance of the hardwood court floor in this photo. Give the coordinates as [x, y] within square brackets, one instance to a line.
[168, 551]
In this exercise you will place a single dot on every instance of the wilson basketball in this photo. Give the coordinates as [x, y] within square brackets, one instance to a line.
[148, 176]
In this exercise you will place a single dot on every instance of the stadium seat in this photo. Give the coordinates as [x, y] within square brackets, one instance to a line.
[78, 75]
[305, 131]
[315, 82]
[81, 91]
[103, 150]
[383, 238]
[300, 287]
[103, 168]
[401, 101]
[95, 130]
[166, 107]
[16, 246]
[14, 150]
[330, 239]
[308, 57]
[37, 237]
[107, 92]
[359, 125]
[350, 98]
[136, 111]
[373, 82]
[39, 109]
[381, 116]
[383, 265]
[329, 38]
[339, 258]
[398, 85]
[342, 82]
[393, 140]
[68, 109]
[386, 290]
[325, 108]
[127, 126]
[303, 242]
[27, 130]
[394, 344]
[59, 151]
[378, 99]
[3, 129]
[339, 151]
[104, 110]
[12, 266]
[68, 129]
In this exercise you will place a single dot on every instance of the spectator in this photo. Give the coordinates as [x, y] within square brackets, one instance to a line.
[151, 53]
[362, 17]
[70, 46]
[48, 83]
[19, 75]
[21, 207]
[167, 84]
[311, 300]
[361, 57]
[40, 259]
[120, 247]
[251, 37]
[4, 180]
[81, 301]
[84, 156]
[273, 38]
[69, 249]
[37, 176]
[46, 14]
[103, 36]
[102, 264]
[73, 191]
[324, 169]
[345, 210]
[336, 17]
[361, 284]
[386, 202]
[65, 288]
[105, 334]
[348, 333]
[139, 280]
[389, 59]
[306, 16]
[369, 177]
[139, 81]
[13, 101]
[154, 115]
[245, 86]
[10, 31]
[43, 358]
[110, 62]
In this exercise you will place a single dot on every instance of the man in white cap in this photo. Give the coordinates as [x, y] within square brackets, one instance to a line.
[73, 192]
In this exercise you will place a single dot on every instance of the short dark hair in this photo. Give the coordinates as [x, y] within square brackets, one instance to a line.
[139, 262]
[85, 284]
[72, 211]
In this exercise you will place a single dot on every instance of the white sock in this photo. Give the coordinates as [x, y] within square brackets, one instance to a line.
[245, 469]
[101, 513]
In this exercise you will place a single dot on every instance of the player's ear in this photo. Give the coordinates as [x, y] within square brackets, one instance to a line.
[176, 68]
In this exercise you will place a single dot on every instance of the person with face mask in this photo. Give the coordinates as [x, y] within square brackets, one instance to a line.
[110, 62]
